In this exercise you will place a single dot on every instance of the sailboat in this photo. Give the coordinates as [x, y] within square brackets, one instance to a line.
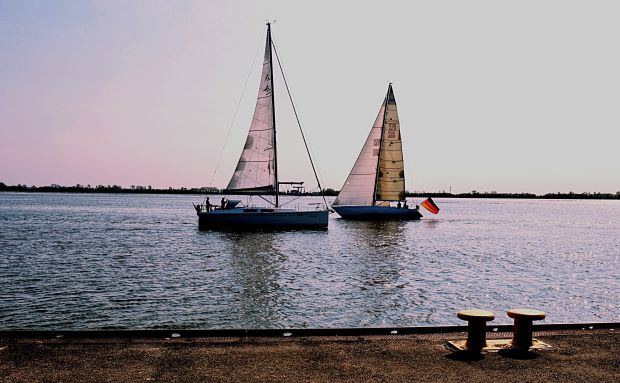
[375, 188]
[257, 172]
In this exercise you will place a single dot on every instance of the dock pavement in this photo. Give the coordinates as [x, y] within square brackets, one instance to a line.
[587, 354]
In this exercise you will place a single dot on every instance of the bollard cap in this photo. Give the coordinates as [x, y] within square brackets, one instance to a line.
[526, 314]
[475, 314]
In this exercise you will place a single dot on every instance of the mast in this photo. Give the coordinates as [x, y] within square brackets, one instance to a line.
[273, 105]
[374, 194]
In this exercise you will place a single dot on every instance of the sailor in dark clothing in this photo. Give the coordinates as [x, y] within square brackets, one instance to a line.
[208, 204]
[223, 203]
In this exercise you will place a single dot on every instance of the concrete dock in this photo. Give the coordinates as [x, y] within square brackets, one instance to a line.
[576, 355]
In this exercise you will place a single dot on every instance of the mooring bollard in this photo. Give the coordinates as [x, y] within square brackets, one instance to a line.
[476, 327]
[522, 338]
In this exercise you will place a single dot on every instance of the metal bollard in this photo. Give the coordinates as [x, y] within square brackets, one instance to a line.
[522, 338]
[476, 327]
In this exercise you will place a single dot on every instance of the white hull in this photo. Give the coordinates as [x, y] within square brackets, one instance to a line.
[262, 218]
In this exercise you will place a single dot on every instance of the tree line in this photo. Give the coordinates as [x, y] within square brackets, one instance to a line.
[328, 192]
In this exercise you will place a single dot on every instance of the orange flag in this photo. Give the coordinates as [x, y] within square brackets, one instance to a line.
[429, 205]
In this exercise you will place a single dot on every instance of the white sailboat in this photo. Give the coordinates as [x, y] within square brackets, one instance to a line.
[257, 172]
[375, 188]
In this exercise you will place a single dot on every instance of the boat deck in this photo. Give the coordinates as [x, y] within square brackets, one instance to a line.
[577, 355]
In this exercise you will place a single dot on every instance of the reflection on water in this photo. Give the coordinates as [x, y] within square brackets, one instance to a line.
[431, 223]
[71, 261]
[255, 268]
[377, 274]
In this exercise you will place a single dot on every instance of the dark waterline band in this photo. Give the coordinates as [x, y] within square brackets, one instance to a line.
[298, 332]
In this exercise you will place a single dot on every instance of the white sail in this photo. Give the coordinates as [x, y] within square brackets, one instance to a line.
[256, 169]
[359, 187]
[391, 178]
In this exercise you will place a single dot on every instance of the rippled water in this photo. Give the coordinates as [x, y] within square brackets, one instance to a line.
[71, 261]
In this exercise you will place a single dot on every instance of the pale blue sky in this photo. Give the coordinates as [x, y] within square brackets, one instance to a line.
[519, 96]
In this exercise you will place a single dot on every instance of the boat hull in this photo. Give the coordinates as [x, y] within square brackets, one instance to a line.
[377, 213]
[260, 219]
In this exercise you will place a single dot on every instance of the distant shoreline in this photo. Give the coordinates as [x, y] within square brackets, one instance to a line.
[328, 192]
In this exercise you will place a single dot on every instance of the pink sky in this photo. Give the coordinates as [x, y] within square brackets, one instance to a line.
[506, 97]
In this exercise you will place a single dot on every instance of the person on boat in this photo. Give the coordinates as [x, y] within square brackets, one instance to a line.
[208, 205]
[223, 203]
[405, 206]
[398, 205]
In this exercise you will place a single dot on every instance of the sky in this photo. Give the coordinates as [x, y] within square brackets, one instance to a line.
[492, 96]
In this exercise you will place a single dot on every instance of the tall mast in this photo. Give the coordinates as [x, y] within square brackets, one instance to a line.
[273, 106]
[374, 194]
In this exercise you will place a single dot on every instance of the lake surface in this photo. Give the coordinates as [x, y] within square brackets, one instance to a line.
[103, 261]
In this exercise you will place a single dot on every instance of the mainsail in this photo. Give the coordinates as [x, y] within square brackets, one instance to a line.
[391, 177]
[378, 173]
[257, 168]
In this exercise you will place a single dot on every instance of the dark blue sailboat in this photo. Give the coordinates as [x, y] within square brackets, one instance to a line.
[257, 172]
[375, 188]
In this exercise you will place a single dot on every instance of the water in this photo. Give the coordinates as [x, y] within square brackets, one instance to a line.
[102, 261]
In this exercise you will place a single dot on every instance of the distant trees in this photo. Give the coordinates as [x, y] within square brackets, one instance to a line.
[78, 188]
[494, 194]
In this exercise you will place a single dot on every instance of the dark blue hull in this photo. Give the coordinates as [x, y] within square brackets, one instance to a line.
[377, 213]
[261, 219]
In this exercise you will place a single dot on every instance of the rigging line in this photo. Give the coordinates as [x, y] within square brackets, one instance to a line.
[235, 114]
[265, 199]
[295, 199]
[298, 122]
[315, 170]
